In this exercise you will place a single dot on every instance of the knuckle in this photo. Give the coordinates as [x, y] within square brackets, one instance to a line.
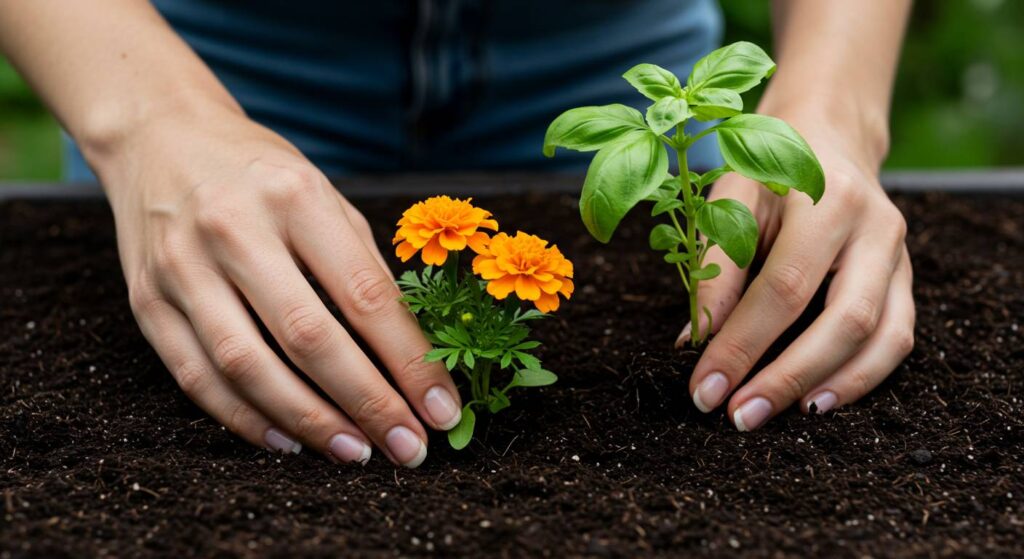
[239, 417]
[792, 384]
[860, 318]
[861, 381]
[219, 220]
[171, 257]
[788, 286]
[846, 188]
[236, 359]
[738, 354]
[308, 423]
[897, 223]
[416, 368]
[142, 298]
[293, 183]
[371, 292]
[903, 341]
[306, 332]
[192, 378]
[371, 408]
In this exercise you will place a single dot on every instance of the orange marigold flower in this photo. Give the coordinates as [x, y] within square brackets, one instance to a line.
[439, 224]
[527, 265]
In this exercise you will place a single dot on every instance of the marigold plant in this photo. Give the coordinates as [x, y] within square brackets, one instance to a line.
[475, 320]
[632, 162]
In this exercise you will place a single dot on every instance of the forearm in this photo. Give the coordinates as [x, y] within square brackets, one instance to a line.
[106, 67]
[837, 59]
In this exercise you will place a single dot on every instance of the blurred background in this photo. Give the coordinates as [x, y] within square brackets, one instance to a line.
[959, 99]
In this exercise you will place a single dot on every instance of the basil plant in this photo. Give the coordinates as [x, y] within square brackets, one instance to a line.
[632, 162]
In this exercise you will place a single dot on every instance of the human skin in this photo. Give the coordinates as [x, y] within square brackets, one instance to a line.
[836, 65]
[215, 213]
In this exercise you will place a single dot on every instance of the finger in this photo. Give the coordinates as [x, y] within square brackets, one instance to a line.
[794, 269]
[237, 351]
[364, 232]
[318, 345]
[371, 301]
[856, 299]
[888, 346]
[176, 344]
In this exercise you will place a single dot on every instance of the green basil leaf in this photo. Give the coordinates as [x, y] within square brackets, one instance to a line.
[669, 188]
[621, 175]
[676, 257]
[654, 82]
[730, 225]
[739, 67]
[709, 103]
[462, 433]
[591, 128]
[666, 113]
[666, 205]
[710, 271]
[713, 175]
[664, 237]
[769, 151]
[533, 377]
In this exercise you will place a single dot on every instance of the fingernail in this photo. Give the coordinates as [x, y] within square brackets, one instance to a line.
[442, 408]
[280, 442]
[347, 448]
[406, 447]
[752, 414]
[684, 336]
[823, 401]
[710, 392]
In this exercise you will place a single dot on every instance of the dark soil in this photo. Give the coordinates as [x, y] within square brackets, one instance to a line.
[101, 455]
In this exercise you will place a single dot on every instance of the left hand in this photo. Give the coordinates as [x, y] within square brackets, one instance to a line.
[867, 325]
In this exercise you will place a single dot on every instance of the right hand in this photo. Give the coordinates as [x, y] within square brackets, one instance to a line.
[216, 215]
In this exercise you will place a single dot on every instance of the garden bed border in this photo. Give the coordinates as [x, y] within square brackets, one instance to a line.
[1007, 181]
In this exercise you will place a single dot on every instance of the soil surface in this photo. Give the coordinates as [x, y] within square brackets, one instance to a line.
[101, 454]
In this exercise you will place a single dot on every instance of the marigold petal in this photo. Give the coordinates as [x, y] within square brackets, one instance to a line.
[489, 224]
[501, 287]
[567, 288]
[542, 277]
[405, 251]
[527, 288]
[551, 286]
[547, 303]
[478, 242]
[452, 240]
[486, 268]
[434, 254]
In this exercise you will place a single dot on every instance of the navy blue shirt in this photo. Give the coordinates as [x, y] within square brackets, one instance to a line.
[431, 85]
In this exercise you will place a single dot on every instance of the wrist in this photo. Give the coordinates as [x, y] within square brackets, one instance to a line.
[836, 113]
[114, 129]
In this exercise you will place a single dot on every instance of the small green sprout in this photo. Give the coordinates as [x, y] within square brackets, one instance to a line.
[631, 165]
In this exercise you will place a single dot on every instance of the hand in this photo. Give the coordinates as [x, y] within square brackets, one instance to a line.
[867, 325]
[216, 215]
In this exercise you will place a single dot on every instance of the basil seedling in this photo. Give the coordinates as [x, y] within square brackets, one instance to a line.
[632, 162]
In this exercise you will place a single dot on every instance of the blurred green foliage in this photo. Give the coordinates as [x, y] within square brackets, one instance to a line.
[959, 99]
[959, 96]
